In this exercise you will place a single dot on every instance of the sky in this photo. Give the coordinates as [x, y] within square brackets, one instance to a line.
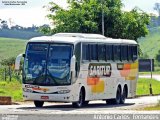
[32, 11]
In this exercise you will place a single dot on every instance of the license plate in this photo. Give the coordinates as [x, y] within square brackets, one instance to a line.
[44, 97]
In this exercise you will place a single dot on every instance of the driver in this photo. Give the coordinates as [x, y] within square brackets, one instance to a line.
[37, 68]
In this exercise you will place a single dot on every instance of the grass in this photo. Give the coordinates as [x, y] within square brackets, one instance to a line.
[13, 89]
[155, 107]
[149, 73]
[10, 47]
[143, 86]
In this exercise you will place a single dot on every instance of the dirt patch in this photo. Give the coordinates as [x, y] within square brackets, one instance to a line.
[5, 100]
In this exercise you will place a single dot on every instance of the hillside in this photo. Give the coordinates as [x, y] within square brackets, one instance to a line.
[10, 47]
[151, 43]
[20, 34]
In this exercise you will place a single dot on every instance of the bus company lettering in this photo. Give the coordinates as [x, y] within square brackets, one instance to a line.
[100, 70]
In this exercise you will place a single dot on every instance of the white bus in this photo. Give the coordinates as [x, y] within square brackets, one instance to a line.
[78, 68]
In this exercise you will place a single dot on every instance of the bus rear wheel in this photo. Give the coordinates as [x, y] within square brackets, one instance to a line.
[39, 104]
[123, 96]
[80, 102]
[115, 100]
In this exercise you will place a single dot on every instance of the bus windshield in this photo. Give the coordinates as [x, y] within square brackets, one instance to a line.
[47, 64]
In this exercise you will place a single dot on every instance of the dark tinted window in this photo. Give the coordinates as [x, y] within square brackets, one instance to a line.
[124, 52]
[101, 52]
[93, 51]
[117, 52]
[85, 52]
[109, 52]
[130, 53]
[78, 54]
[135, 53]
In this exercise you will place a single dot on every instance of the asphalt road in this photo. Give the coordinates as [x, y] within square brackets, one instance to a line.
[157, 77]
[65, 111]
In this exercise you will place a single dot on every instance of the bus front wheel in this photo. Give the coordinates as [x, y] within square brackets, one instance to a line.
[80, 102]
[38, 103]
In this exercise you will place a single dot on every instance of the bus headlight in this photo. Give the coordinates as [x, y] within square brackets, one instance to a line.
[63, 91]
[27, 90]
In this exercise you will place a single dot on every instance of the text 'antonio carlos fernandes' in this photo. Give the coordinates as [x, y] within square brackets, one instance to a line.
[126, 117]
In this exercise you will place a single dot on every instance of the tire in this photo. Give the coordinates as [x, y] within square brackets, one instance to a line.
[116, 100]
[123, 96]
[110, 101]
[80, 102]
[86, 102]
[39, 104]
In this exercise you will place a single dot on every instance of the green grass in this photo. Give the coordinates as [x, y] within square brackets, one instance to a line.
[143, 86]
[148, 73]
[155, 107]
[13, 89]
[10, 47]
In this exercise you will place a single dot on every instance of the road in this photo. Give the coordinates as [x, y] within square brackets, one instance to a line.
[64, 111]
[157, 77]
[60, 110]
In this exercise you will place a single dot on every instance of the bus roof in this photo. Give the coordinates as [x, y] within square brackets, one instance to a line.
[74, 38]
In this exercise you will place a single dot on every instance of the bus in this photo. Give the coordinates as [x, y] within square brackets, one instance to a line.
[78, 68]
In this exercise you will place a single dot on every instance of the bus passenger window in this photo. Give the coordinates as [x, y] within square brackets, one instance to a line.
[85, 52]
[117, 52]
[135, 53]
[109, 52]
[124, 52]
[101, 52]
[93, 48]
[130, 53]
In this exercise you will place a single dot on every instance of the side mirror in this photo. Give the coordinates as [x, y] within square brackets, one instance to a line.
[23, 55]
[18, 60]
[73, 63]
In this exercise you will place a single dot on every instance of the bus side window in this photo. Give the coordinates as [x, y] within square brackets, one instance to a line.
[85, 52]
[101, 52]
[124, 52]
[135, 53]
[117, 52]
[109, 52]
[93, 52]
[78, 54]
[130, 53]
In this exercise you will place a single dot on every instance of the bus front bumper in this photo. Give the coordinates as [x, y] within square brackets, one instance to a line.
[50, 97]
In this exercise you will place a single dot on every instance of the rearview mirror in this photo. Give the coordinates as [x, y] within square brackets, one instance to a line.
[18, 60]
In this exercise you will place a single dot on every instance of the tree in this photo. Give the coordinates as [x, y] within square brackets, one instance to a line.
[84, 16]
[158, 58]
[157, 8]
[10, 64]
[4, 24]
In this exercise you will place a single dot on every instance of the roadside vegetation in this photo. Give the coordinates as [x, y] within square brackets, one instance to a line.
[143, 86]
[11, 47]
[13, 89]
[150, 108]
